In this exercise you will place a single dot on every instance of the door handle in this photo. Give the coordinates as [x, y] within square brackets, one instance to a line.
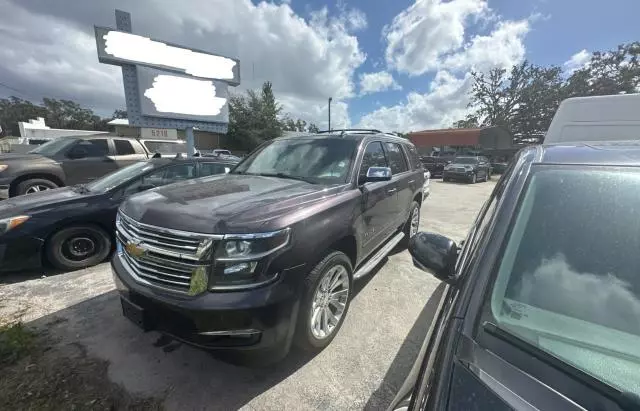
[412, 181]
[391, 191]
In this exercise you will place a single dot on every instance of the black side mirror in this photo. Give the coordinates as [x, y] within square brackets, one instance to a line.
[435, 253]
[378, 174]
[145, 187]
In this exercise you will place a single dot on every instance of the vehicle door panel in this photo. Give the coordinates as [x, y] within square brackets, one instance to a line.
[87, 160]
[402, 180]
[378, 202]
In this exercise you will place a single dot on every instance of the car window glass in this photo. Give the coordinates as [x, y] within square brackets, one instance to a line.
[208, 169]
[373, 157]
[92, 148]
[123, 147]
[166, 147]
[568, 281]
[171, 174]
[396, 158]
[414, 159]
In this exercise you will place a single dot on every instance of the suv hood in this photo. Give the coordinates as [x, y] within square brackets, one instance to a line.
[229, 203]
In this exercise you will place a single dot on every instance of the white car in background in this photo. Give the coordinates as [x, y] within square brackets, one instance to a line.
[425, 187]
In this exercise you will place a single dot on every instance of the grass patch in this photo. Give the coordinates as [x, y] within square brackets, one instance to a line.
[16, 342]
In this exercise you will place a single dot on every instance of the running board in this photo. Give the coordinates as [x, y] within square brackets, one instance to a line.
[377, 257]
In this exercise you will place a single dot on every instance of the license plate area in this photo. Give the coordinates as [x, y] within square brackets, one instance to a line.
[135, 314]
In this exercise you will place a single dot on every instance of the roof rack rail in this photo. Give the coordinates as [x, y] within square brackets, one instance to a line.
[348, 130]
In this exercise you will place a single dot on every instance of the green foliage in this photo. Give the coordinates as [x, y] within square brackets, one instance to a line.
[253, 118]
[57, 114]
[525, 99]
[16, 341]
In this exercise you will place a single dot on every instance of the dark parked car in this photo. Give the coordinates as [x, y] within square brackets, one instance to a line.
[499, 166]
[469, 169]
[541, 308]
[67, 161]
[73, 227]
[268, 254]
[435, 165]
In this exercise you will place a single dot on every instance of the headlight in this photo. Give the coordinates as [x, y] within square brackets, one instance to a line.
[240, 258]
[3, 167]
[7, 224]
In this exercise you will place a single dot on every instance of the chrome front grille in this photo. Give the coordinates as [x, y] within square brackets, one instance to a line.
[165, 258]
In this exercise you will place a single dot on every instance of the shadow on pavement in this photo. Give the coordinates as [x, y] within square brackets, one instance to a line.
[186, 378]
[406, 356]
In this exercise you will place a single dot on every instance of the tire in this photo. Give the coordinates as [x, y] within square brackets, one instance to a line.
[415, 207]
[474, 178]
[34, 185]
[310, 338]
[78, 247]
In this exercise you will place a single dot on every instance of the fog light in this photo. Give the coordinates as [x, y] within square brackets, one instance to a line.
[241, 268]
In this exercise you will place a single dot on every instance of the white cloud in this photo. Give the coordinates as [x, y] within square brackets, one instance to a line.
[419, 36]
[378, 81]
[432, 36]
[443, 104]
[317, 111]
[577, 61]
[49, 49]
[503, 48]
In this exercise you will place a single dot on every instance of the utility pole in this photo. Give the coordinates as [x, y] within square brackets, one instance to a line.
[330, 98]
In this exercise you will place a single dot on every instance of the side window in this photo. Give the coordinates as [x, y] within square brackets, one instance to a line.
[90, 148]
[414, 159]
[209, 169]
[124, 148]
[168, 175]
[373, 157]
[477, 232]
[397, 160]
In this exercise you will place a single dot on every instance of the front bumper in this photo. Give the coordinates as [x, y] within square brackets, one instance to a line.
[458, 175]
[258, 320]
[20, 252]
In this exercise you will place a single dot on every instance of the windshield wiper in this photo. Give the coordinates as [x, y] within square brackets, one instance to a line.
[283, 175]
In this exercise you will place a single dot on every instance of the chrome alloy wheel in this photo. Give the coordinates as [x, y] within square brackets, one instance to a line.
[415, 222]
[36, 188]
[329, 302]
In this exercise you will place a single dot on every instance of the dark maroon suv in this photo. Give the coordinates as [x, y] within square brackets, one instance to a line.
[267, 254]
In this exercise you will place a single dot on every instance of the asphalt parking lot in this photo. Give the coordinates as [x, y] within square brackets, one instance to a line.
[362, 368]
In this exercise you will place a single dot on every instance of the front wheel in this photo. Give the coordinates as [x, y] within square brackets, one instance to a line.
[78, 247]
[34, 185]
[474, 178]
[327, 296]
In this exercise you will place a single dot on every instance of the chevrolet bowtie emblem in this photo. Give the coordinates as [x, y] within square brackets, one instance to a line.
[135, 250]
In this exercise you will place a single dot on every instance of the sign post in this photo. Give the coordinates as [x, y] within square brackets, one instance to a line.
[166, 85]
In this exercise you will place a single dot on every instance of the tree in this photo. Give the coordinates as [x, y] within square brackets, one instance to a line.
[525, 99]
[14, 110]
[119, 114]
[313, 128]
[253, 118]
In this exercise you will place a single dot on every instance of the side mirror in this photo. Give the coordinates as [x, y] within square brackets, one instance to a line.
[436, 253]
[226, 170]
[145, 187]
[378, 174]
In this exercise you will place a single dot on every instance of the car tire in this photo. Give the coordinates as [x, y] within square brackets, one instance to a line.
[78, 247]
[310, 334]
[407, 228]
[34, 185]
[474, 178]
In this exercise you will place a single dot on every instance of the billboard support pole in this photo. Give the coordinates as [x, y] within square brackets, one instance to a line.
[190, 142]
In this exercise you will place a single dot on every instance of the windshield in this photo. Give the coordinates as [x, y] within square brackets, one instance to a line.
[324, 161]
[568, 282]
[166, 147]
[54, 146]
[106, 183]
[465, 160]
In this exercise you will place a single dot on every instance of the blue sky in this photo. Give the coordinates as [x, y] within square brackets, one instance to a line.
[400, 65]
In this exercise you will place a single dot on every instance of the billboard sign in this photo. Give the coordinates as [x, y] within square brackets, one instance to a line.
[169, 95]
[119, 47]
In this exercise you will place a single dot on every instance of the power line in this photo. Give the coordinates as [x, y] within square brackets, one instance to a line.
[14, 89]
